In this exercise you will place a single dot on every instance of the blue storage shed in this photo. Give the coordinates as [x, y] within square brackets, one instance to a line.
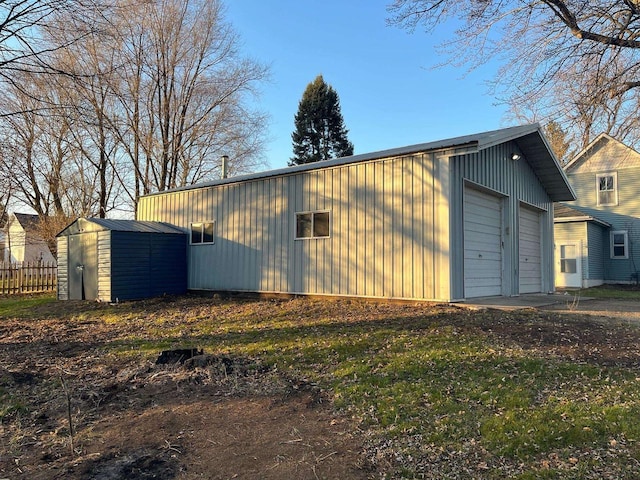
[110, 260]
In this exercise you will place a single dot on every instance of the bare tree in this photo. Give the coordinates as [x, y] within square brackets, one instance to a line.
[578, 62]
[23, 27]
[150, 99]
[183, 89]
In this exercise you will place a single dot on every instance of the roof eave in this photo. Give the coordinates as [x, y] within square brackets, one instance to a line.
[540, 156]
[585, 218]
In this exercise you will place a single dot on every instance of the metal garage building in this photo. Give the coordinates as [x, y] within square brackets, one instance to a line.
[110, 260]
[448, 220]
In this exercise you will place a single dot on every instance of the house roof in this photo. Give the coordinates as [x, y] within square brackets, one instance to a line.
[529, 139]
[563, 213]
[82, 225]
[589, 149]
[27, 220]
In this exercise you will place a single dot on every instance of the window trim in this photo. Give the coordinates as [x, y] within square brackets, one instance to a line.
[612, 245]
[614, 175]
[202, 229]
[313, 214]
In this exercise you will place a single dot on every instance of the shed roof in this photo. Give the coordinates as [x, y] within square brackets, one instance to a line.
[529, 138]
[82, 225]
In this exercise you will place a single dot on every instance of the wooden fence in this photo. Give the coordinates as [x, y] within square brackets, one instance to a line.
[27, 277]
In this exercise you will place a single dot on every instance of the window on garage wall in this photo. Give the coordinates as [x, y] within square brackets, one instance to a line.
[312, 225]
[203, 233]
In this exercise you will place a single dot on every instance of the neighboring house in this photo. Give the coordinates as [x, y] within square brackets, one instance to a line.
[22, 243]
[597, 236]
[3, 250]
[447, 220]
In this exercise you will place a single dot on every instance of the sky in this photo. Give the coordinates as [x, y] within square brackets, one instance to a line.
[391, 94]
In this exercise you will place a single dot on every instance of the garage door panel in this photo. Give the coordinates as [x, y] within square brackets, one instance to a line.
[530, 246]
[482, 244]
[490, 265]
[477, 261]
[482, 230]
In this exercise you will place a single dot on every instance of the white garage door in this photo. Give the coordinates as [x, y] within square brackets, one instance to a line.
[482, 244]
[530, 251]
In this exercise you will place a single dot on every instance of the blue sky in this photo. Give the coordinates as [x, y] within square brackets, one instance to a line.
[390, 93]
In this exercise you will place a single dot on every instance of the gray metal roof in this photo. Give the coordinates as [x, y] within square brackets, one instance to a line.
[82, 225]
[529, 138]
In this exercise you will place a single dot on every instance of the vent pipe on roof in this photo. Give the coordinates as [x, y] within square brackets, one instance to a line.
[225, 166]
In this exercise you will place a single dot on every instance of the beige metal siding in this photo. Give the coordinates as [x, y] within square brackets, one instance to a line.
[63, 268]
[383, 230]
[104, 265]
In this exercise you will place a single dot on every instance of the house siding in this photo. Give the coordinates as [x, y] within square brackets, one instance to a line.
[516, 181]
[624, 216]
[596, 249]
[389, 231]
[22, 244]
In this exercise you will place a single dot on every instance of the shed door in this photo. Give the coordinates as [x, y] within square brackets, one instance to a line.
[530, 264]
[83, 266]
[482, 244]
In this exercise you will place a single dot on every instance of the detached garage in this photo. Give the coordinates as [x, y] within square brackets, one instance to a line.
[448, 220]
[111, 260]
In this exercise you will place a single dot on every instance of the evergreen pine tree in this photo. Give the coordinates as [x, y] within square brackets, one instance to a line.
[320, 133]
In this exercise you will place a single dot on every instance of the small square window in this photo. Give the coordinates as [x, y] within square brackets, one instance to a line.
[303, 225]
[321, 224]
[312, 225]
[202, 232]
[619, 245]
[607, 189]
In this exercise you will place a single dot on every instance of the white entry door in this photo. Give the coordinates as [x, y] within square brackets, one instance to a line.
[568, 264]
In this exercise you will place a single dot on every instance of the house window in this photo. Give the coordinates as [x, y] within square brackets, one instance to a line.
[568, 260]
[607, 188]
[312, 225]
[619, 244]
[202, 232]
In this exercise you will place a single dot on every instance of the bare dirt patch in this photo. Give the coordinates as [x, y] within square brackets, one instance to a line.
[214, 418]
[173, 422]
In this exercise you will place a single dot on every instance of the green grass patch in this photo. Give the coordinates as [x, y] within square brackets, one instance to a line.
[21, 306]
[628, 292]
[9, 405]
